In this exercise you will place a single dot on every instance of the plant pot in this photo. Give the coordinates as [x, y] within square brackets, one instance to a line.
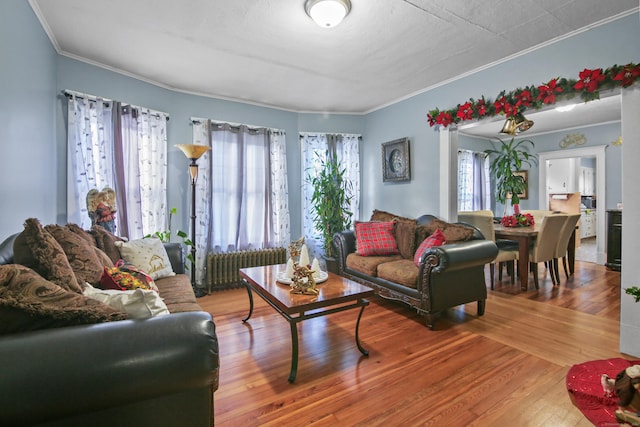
[332, 265]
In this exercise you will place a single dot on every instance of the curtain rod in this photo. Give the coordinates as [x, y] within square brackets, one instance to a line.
[198, 120]
[330, 133]
[69, 93]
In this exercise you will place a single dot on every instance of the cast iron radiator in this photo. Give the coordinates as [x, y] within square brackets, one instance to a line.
[222, 268]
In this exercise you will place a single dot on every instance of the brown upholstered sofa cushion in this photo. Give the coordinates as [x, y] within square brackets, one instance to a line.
[39, 250]
[401, 271]
[81, 255]
[404, 232]
[452, 232]
[106, 241]
[379, 215]
[368, 264]
[29, 302]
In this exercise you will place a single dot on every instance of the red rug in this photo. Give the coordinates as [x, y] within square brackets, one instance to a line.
[585, 388]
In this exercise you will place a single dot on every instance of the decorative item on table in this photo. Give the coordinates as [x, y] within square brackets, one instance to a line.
[298, 258]
[517, 220]
[303, 281]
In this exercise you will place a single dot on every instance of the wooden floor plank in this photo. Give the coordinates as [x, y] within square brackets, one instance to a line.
[505, 368]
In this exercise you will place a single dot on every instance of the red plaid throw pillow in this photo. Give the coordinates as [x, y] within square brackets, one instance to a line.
[376, 238]
[436, 239]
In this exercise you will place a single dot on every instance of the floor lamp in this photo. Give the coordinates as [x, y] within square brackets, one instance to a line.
[193, 153]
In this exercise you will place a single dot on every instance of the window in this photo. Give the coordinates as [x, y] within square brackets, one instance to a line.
[123, 147]
[474, 182]
[314, 148]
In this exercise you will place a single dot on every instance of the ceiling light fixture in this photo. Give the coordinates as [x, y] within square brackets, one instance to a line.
[327, 13]
[516, 124]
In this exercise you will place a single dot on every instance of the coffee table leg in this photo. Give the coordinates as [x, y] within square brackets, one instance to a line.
[246, 284]
[362, 349]
[294, 351]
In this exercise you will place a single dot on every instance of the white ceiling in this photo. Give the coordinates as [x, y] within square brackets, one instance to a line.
[269, 52]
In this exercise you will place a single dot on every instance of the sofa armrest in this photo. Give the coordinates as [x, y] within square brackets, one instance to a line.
[457, 256]
[55, 373]
[345, 243]
[176, 256]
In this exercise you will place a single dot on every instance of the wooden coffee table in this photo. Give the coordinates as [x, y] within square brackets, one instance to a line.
[336, 294]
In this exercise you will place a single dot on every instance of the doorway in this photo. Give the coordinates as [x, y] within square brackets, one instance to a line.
[597, 152]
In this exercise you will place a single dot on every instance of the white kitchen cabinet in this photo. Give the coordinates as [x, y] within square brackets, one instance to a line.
[588, 223]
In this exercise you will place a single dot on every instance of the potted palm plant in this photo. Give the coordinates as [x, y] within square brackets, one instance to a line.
[330, 201]
[509, 158]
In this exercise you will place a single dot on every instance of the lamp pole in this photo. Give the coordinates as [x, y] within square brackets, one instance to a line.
[193, 153]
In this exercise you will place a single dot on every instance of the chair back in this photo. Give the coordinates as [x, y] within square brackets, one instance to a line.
[537, 214]
[567, 229]
[482, 220]
[544, 248]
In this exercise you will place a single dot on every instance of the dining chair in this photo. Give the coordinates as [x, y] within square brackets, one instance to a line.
[544, 247]
[562, 247]
[536, 214]
[507, 249]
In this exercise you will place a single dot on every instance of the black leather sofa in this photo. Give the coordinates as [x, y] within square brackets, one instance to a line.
[448, 275]
[161, 371]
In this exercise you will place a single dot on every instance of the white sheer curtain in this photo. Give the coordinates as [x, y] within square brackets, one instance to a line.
[242, 191]
[144, 162]
[90, 155]
[314, 147]
[474, 185]
[123, 147]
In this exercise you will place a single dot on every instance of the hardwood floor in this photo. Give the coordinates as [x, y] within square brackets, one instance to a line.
[506, 368]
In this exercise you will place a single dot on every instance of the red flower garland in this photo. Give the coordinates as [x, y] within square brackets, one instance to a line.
[512, 103]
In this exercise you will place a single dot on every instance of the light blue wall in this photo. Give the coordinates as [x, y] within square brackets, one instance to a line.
[82, 77]
[33, 119]
[613, 43]
[595, 136]
[27, 109]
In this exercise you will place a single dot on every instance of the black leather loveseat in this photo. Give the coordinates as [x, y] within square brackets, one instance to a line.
[447, 275]
[160, 371]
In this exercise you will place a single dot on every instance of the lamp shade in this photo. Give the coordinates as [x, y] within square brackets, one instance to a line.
[193, 151]
[327, 13]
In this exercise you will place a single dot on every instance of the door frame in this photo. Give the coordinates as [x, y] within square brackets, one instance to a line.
[543, 192]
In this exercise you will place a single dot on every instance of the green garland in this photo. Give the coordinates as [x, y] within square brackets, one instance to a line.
[587, 87]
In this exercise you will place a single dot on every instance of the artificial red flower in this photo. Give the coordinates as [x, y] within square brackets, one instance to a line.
[518, 220]
[444, 118]
[524, 99]
[431, 120]
[503, 105]
[481, 108]
[589, 80]
[628, 74]
[547, 93]
[465, 111]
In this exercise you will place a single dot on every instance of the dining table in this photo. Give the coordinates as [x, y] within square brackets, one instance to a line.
[525, 236]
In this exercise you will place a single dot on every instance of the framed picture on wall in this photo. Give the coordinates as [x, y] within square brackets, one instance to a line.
[525, 175]
[396, 163]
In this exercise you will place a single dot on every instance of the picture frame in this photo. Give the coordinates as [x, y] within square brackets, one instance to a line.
[396, 161]
[524, 174]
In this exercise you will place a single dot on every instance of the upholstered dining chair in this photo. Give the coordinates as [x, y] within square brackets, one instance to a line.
[536, 214]
[562, 247]
[507, 250]
[544, 247]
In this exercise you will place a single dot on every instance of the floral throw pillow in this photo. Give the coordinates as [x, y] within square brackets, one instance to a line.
[436, 239]
[126, 277]
[375, 238]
